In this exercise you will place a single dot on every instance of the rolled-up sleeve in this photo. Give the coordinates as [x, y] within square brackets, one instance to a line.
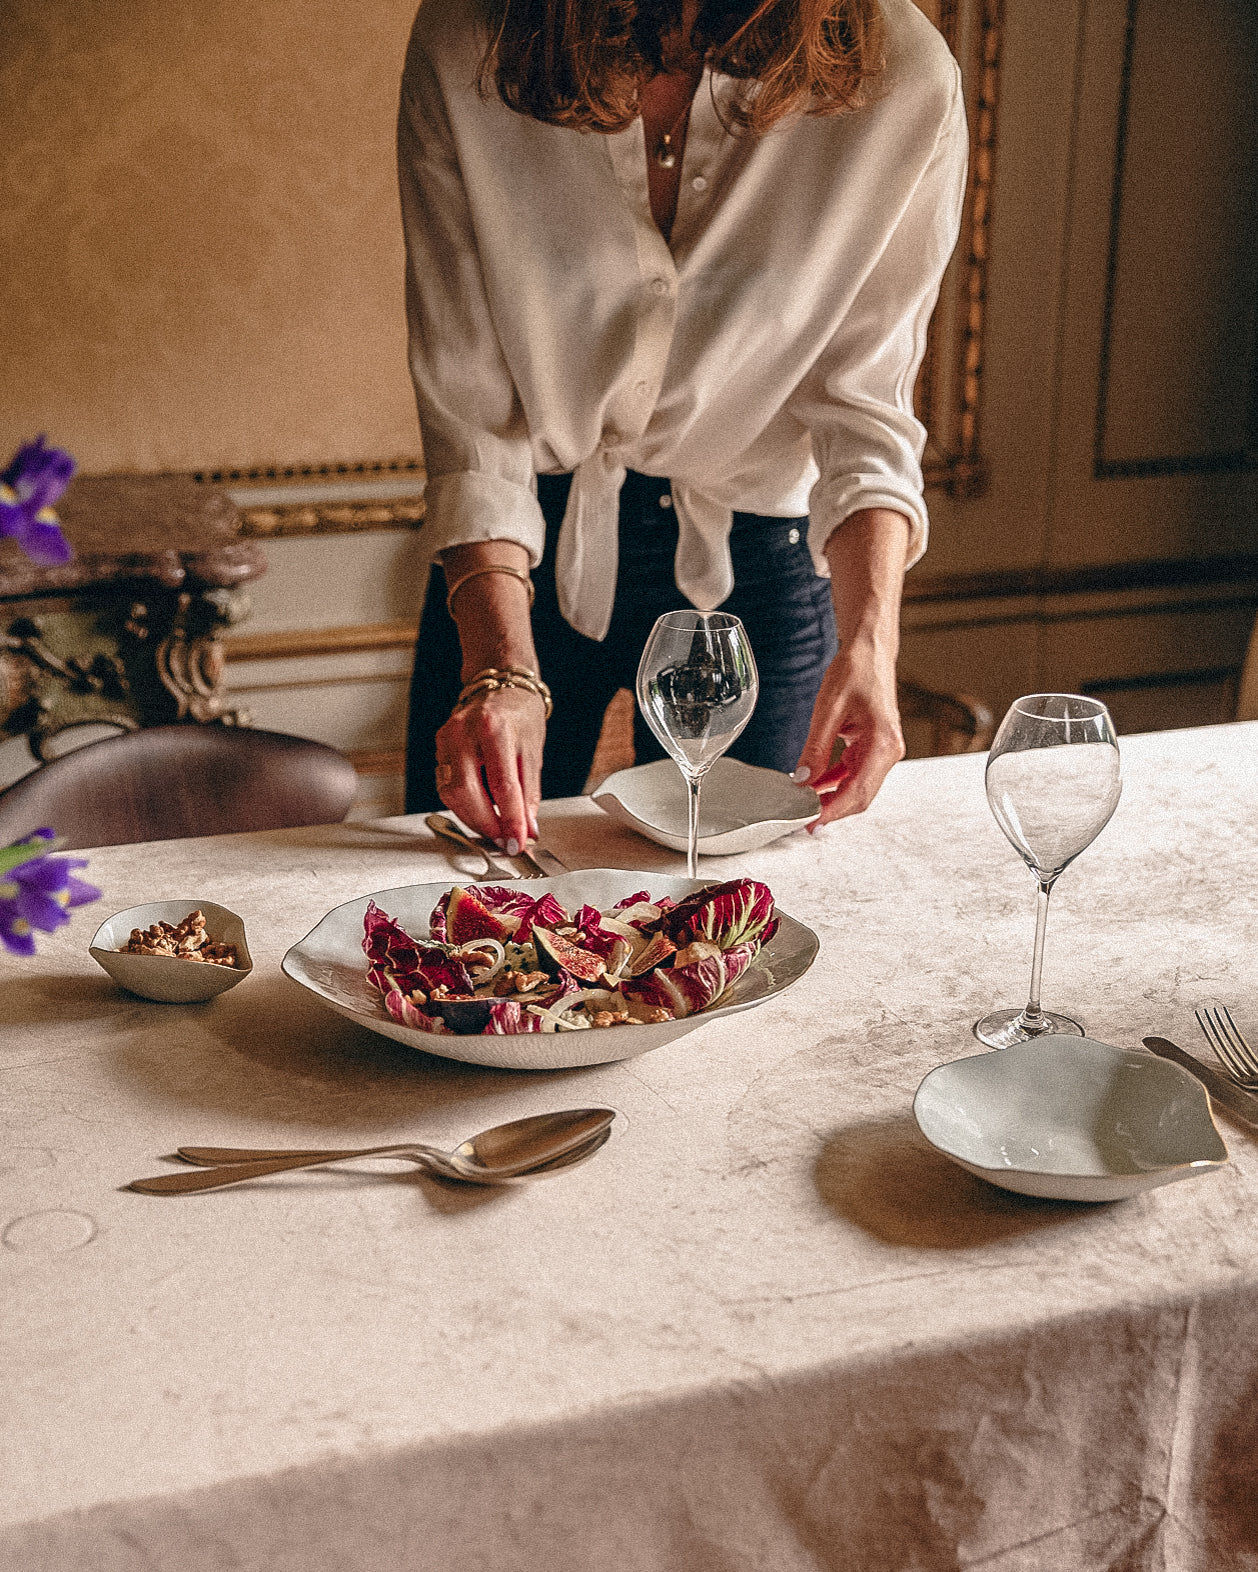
[477, 453]
[857, 402]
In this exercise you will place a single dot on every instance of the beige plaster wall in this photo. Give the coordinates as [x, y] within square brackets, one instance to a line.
[200, 263]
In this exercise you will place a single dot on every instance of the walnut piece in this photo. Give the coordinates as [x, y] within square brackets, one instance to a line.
[185, 941]
[517, 982]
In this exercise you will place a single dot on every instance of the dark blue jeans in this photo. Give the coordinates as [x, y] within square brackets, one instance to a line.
[784, 606]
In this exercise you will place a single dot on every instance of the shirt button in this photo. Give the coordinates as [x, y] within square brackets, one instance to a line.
[699, 183]
[793, 537]
[659, 286]
[642, 389]
[666, 501]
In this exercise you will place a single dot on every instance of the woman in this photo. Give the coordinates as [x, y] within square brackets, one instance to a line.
[670, 269]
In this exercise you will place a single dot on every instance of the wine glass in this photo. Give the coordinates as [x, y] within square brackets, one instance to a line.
[697, 687]
[1053, 781]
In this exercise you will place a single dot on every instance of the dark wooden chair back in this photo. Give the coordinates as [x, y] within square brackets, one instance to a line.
[953, 722]
[168, 782]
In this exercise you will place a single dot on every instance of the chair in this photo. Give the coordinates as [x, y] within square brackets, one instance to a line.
[168, 782]
[954, 722]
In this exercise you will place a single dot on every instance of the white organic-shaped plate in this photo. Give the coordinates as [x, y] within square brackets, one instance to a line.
[162, 977]
[742, 807]
[1070, 1119]
[330, 962]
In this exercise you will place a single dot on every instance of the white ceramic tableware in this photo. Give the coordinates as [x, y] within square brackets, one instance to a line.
[163, 977]
[1070, 1119]
[743, 807]
[329, 961]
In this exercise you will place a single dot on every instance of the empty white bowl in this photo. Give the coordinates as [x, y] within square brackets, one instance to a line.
[163, 977]
[742, 807]
[1070, 1119]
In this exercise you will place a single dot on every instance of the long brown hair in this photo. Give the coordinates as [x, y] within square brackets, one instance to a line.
[581, 63]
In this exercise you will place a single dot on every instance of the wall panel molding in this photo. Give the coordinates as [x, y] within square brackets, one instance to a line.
[949, 392]
[1213, 460]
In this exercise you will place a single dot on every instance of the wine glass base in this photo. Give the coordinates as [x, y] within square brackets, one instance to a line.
[1003, 1028]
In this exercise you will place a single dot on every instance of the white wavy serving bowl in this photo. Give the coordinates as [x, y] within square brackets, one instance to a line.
[742, 807]
[330, 962]
[1070, 1119]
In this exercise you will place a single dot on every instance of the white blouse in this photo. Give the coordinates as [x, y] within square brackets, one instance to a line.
[762, 360]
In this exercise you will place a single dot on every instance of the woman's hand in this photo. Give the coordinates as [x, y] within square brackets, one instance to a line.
[857, 703]
[492, 749]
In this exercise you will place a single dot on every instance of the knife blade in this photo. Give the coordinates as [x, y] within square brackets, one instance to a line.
[1224, 1091]
[545, 860]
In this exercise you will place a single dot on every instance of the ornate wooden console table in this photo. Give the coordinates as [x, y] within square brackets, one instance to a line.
[127, 632]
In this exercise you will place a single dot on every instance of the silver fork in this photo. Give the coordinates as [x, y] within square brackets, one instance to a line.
[495, 867]
[1230, 1045]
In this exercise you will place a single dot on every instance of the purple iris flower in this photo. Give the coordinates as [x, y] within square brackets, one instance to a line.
[37, 893]
[33, 481]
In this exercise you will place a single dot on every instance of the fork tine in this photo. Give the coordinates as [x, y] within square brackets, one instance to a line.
[1205, 1020]
[1240, 1045]
[1212, 1026]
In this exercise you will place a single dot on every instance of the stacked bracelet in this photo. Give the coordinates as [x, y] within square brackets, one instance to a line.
[492, 567]
[495, 677]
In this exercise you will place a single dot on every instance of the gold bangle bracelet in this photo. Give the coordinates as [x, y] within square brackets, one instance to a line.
[495, 677]
[491, 567]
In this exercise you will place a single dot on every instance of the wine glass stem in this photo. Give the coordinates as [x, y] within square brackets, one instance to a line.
[695, 783]
[1033, 1016]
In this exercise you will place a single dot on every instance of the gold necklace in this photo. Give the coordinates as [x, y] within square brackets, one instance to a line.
[664, 152]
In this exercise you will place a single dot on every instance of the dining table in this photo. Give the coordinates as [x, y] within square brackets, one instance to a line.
[766, 1327]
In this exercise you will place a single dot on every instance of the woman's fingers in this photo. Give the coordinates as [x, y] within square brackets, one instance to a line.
[502, 776]
[823, 738]
[530, 768]
[464, 791]
[856, 705]
[854, 781]
[486, 745]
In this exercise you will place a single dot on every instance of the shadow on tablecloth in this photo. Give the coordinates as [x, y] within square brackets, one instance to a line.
[267, 1054]
[881, 1175]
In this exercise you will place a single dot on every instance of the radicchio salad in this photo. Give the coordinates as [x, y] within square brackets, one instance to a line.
[498, 961]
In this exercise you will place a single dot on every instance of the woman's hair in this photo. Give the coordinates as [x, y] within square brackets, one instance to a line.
[581, 63]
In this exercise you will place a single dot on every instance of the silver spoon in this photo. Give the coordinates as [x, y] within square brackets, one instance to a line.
[517, 1150]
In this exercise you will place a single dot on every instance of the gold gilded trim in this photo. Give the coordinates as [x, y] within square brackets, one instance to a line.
[292, 644]
[331, 518]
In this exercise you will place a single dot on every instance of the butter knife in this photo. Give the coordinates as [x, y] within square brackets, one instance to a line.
[545, 860]
[1224, 1091]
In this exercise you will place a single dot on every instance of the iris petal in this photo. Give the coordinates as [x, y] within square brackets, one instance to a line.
[15, 935]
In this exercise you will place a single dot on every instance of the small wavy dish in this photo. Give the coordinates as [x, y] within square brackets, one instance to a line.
[1070, 1119]
[743, 806]
[163, 977]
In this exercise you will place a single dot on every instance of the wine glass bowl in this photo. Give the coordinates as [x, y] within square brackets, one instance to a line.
[1053, 781]
[697, 687]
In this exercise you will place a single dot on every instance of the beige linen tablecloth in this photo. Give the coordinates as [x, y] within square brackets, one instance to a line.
[766, 1328]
